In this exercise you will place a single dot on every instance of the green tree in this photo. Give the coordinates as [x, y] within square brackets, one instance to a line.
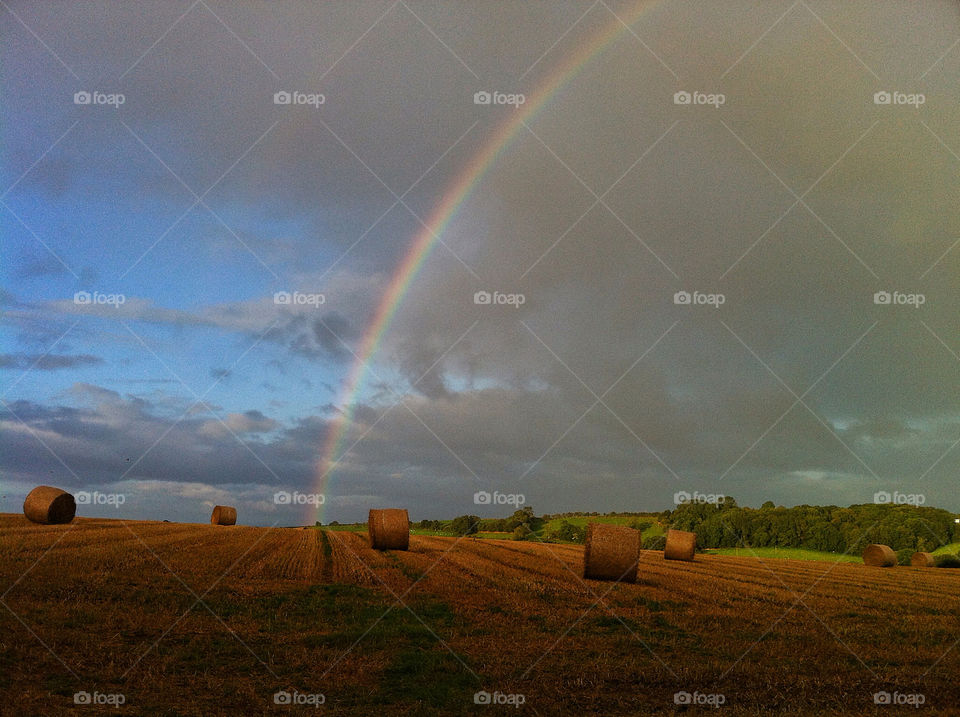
[464, 525]
[522, 532]
[570, 532]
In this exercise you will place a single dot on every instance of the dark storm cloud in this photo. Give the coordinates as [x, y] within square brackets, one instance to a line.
[799, 311]
[327, 337]
[598, 391]
[96, 440]
[318, 338]
[334, 333]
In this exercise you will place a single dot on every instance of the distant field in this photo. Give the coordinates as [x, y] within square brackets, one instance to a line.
[787, 553]
[581, 521]
[317, 612]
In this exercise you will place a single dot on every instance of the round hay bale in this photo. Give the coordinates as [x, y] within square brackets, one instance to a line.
[611, 552]
[880, 556]
[922, 560]
[389, 529]
[49, 506]
[224, 515]
[680, 545]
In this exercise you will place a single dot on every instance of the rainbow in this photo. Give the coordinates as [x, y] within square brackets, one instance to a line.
[436, 224]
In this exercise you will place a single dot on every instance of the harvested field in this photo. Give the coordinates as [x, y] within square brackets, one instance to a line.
[420, 631]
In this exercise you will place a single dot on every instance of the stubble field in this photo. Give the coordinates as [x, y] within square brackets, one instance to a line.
[196, 619]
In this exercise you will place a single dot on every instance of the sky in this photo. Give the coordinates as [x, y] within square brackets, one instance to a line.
[719, 243]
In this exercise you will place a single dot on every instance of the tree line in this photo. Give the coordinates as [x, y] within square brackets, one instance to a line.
[521, 524]
[828, 528]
